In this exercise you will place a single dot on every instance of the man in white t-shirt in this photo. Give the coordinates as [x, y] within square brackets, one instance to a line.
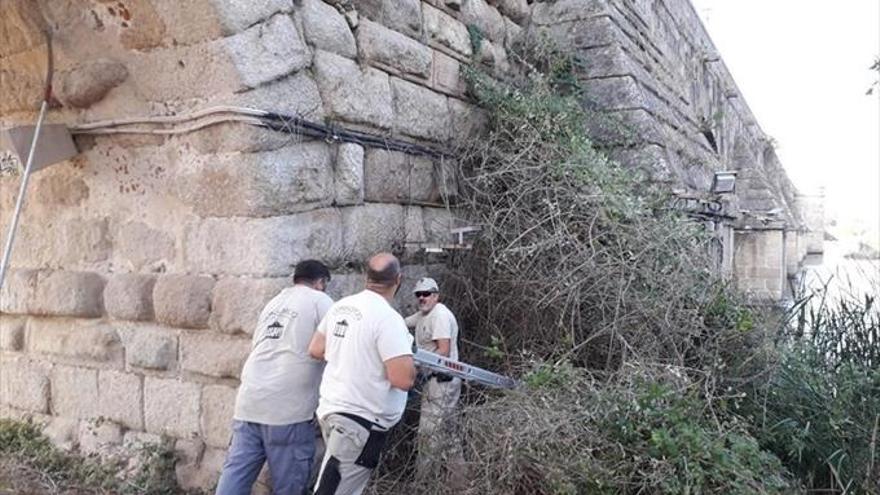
[436, 330]
[369, 369]
[276, 402]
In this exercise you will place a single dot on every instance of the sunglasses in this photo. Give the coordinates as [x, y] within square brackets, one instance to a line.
[423, 294]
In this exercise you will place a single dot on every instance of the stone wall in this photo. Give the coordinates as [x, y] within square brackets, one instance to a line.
[140, 265]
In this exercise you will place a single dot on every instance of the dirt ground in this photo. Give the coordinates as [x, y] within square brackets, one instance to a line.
[20, 479]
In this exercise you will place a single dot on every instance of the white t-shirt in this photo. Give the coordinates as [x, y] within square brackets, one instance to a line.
[438, 324]
[363, 331]
[279, 381]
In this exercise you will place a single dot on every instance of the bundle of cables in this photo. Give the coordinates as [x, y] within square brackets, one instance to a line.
[291, 124]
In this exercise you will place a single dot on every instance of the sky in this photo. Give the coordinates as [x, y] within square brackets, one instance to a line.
[802, 66]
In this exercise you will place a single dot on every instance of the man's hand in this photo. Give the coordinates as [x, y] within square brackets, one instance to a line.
[443, 346]
[317, 346]
[401, 371]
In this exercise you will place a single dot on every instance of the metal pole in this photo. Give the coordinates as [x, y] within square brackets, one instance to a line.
[19, 201]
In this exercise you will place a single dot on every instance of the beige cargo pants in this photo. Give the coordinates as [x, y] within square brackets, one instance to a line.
[439, 446]
[345, 441]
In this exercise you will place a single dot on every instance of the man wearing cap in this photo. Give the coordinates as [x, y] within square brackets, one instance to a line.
[369, 369]
[436, 330]
[275, 407]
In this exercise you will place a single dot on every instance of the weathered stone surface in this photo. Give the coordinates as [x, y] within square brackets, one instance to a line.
[185, 72]
[467, 120]
[62, 432]
[371, 228]
[89, 82]
[414, 222]
[439, 223]
[138, 245]
[24, 385]
[203, 473]
[11, 333]
[238, 15]
[101, 438]
[348, 175]
[171, 406]
[150, 347]
[380, 44]
[129, 296]
[237, 302]
[70, 339]
[419, 112]
[403, 16]
[446, 75]
[268, 51]
[183, 300]
[18, 291]
[345, 284]
[74, 392]
[352, 94]
[263, 247]
[446, 31]
[121, 398]
[295, 178]
[485, 17]
[296, 94]
[391, 176]
[566, 10]
[512, 33]
[69, 242]
[141, 26]
[217, 408]
[63, 293]
[326, 29]
[518, 10]
[57, 188]
[213, 355]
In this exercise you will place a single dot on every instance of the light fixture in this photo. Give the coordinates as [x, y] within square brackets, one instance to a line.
[724, 182]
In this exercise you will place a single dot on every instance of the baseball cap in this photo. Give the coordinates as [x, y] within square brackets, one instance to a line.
[426, 284]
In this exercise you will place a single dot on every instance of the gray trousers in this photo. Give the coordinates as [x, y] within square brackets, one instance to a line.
[344, 441]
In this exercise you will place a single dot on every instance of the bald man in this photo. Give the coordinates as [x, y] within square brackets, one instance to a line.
[368, 351]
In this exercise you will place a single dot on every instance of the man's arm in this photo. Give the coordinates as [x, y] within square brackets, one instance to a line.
[411, 320]
[443, 346]
[401, 371]
[317, 346]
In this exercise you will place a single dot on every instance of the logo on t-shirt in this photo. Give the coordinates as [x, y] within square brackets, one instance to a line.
[273, 331]
[340, 328]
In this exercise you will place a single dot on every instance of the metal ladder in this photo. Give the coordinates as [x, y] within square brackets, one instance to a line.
[442, 364]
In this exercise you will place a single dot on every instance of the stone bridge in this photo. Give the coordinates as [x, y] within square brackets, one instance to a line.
[141, 263]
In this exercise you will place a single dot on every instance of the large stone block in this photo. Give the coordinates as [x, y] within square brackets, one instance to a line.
[121, 398]
[140, 246]
[213, 355]
[468, 120]
[189, 71]
[171, 407]
[485, 17]
[150, 347]
[380, 44]
[59, 186]
[18, 291]
[518, 10]
[391, 176]
[74, 392]
[24, 385]
[129, 296]
[292, 179]
[326, 29]
[544, 13]
[352, 94]
[238, 15]
[439, 223]
[202, 473]
[345, 284]
[100, 438]
[218, 405]
[371, 228]
[11, 333]
[76, 341]
[446, 76]
[69, 243]
[62, 432]
[348, 175]
[237, 302]
[420, 112]
[446, 31]
[63, 293]
[268, 51]
[263, 247]
[87, 83]
[183, 300]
